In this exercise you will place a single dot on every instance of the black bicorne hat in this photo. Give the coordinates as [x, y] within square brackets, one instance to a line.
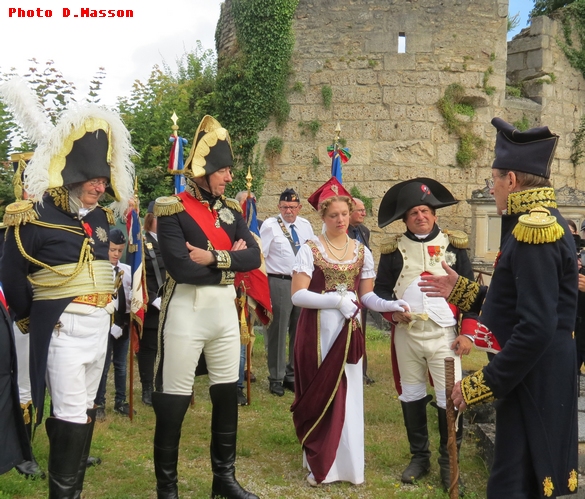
[410, 193]
[531, 151]
[211, 151]
[88, 159]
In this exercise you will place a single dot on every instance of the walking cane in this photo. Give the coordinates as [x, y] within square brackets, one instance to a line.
[452, 439]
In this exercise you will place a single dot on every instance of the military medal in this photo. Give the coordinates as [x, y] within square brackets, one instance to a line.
[434, 254]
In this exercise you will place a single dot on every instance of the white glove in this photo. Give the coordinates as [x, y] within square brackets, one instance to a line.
[116, 331]
[373, 302]
[309, 299]
[156, 303]
[347, 306]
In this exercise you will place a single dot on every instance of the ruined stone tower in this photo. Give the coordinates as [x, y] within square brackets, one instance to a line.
[387, 63]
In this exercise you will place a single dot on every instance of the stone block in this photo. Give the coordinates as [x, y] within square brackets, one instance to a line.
[427, 95]
[368, 94]
[340, 78]
[516, 62]
[399, 62]
[534, 59]
[366, 77]
[525, 44]
[321, 77]
[389, 78]
[417, 113]
[386, 130]
[446, 154]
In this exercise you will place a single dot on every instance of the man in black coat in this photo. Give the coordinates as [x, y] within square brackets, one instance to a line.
[14, 440]
[58, 279]
[203, 241]
[530, 309]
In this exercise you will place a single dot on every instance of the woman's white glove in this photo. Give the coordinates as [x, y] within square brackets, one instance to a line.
[116, 331]
[373, 302]
[309, 299]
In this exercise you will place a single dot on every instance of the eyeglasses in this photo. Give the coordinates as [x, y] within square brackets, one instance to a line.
[490, 183]
[361, 211]
[101, 183]
[287, 208]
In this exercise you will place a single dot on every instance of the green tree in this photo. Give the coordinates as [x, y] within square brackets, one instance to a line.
[188, 92]
[547, 7]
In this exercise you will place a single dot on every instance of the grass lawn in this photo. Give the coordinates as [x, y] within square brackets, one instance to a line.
[269, 455]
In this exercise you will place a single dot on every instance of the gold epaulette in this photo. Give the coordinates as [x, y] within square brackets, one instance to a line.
[538, 227]
[20, 212]
[109, 215]
[168, 205]
[390, 244]
[457, 238]
[233, 204]
[475, 390]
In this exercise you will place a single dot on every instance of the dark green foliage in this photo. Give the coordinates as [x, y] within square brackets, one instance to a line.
[547, 7]
[147, 113]
[273, 148]
[356, 193]
[523, 124]
[327, 95]
[252, 86]
[450, 105]
[578, 149]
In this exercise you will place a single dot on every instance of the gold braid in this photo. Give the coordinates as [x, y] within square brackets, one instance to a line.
[84, 256]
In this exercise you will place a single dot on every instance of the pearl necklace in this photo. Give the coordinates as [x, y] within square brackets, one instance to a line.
[332, 247]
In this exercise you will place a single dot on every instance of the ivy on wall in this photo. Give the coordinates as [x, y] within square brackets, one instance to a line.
[252, 86]
[450, 106]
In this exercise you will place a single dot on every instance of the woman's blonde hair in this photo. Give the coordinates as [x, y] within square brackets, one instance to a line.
[325, 204]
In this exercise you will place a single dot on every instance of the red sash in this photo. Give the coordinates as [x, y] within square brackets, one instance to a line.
[205, 218]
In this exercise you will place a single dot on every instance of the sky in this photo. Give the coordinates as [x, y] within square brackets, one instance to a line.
[127, 47]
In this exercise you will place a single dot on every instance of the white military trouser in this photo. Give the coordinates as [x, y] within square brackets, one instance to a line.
[77, 352]
[420, 350]
[200, 318]
[22, 346]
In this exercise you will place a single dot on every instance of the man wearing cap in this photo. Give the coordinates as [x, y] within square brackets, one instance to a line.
[119, 337]
[357, 230]
[429, 333]
[530, 309]
[58, 279]
[203, 240]
[282, 237]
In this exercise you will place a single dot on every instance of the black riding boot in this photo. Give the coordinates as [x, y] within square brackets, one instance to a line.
[444, 451]
[415, 420]
[170, 411]
[29, 468]
[147, 393]
[85, 454]
[224, 428]
[66, 445]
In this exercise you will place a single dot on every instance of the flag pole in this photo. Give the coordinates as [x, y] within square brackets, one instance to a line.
[250, 325]
[132, 334]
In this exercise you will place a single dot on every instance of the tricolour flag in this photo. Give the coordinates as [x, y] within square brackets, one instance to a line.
[254, 283]
[135, 258]
[176, 162]
[338, 155]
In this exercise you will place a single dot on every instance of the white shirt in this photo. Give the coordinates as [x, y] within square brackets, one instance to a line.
[277, 248]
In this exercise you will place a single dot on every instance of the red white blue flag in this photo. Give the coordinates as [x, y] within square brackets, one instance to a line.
[135, 259]
[176, 162]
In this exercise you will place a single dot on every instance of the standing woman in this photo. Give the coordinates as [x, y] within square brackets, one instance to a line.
[155, 278]
[331, 275]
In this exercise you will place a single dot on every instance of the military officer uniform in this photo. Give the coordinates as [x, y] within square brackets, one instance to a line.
[530, 309]
[59, 281]
[198, 312]
[421, 346]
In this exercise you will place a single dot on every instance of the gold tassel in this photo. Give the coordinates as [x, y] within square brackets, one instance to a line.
[233, 204]
[458, 238]
[26, 411]
[166, 206]
[20, 212]
[538, 235]
[244, 333]
[389, 245]
[23, 324]
[109, 215]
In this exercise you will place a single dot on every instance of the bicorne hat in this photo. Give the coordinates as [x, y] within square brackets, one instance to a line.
[410, 193]
[211, 151]
[330, 188]
[531, 151]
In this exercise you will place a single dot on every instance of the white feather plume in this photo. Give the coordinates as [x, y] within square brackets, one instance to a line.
[122, 169]
[24, 104]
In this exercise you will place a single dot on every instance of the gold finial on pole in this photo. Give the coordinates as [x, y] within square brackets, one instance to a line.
[249, 182]
[175, 127]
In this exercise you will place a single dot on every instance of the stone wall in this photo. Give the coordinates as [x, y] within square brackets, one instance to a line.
[385, 101]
